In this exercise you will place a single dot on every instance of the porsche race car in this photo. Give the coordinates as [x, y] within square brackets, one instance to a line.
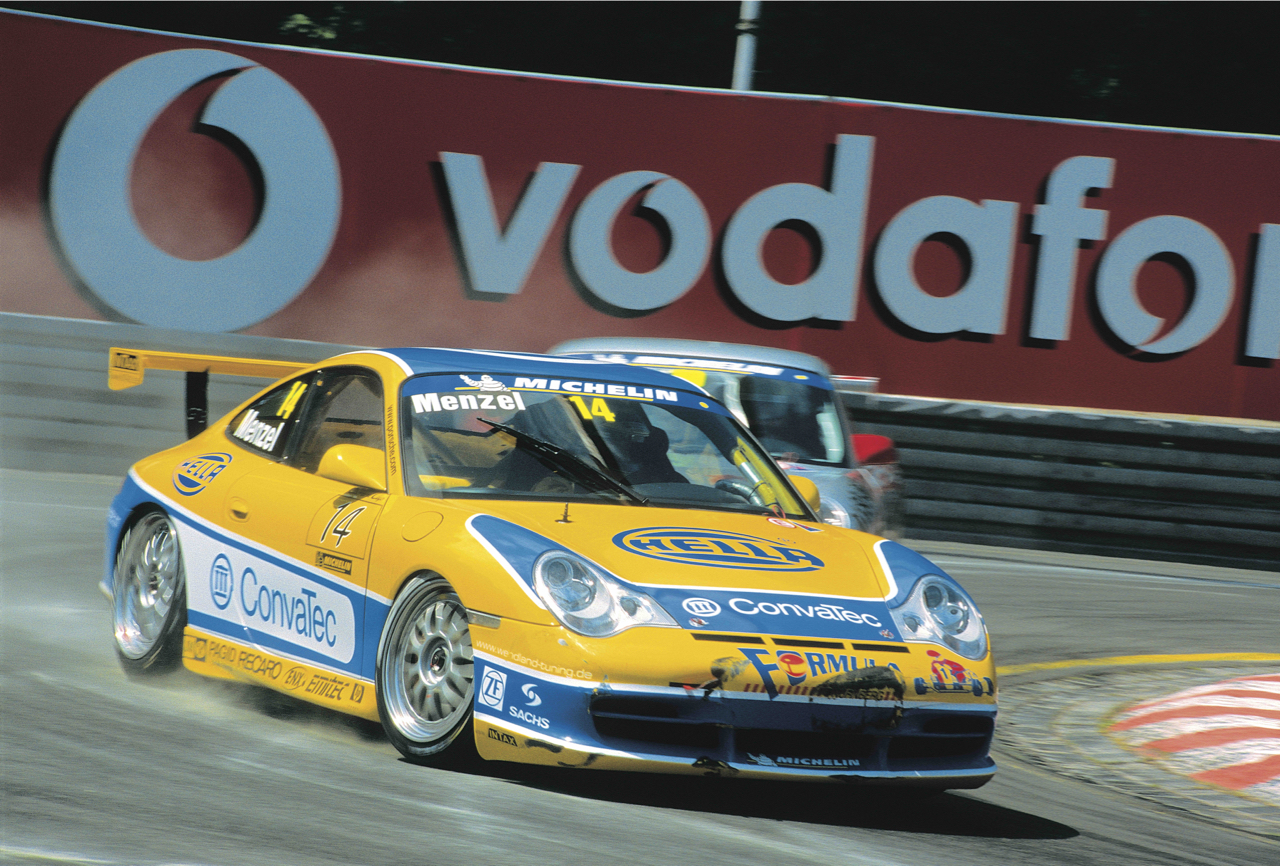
[542, 560]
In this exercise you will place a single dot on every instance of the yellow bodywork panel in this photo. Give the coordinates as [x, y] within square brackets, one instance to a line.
[806, 488]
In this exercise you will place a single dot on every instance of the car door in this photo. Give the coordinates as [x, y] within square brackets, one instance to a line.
[299, 587]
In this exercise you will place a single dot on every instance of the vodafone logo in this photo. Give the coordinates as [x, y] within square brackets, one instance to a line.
[92, 213]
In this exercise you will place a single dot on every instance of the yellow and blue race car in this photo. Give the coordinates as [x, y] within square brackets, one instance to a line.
[541, 560]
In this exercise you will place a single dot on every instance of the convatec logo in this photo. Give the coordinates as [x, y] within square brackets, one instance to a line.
[92, 211]
[701, 606]
[222, 582]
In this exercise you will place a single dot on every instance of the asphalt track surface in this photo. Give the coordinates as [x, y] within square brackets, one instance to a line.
[100, 769]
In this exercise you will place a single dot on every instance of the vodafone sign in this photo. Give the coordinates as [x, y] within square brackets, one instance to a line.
[210, 187]
[91, 206]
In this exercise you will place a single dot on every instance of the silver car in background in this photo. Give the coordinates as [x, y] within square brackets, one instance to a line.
[789, 402]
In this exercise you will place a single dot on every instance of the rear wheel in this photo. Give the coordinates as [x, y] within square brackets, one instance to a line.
[425, 675]
[150, 596]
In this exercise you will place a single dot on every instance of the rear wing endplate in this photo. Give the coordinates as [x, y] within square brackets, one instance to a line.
[127, 367]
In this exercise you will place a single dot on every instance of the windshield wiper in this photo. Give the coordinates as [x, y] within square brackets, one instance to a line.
[566, 459]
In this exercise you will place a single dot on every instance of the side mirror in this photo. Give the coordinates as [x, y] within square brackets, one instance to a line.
[357, 465]
[807, 490]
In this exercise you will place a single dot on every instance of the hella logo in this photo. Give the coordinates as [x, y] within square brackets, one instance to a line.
[194, 475]
[716, 549]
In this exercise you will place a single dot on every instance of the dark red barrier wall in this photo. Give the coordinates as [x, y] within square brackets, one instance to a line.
[393, 274]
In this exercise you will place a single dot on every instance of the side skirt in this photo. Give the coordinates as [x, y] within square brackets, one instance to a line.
[215, 656]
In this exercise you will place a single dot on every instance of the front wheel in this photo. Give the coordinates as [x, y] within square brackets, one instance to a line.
[149, 595]
[425, 675]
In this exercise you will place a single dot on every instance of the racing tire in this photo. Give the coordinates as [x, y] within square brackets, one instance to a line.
[149, 597]
[425, 675]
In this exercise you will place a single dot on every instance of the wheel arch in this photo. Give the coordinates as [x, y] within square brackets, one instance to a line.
[403, 584]
[479, 581]
[413, 632]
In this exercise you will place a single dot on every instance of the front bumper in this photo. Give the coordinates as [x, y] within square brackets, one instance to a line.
[530, 716]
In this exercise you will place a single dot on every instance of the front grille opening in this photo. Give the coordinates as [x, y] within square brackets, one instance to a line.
[909, 748]
[726, 638]
[666, 733]
[628, 706]
[648, 720]
[805, 744]
[944, 739]
[813, 644]
[959, 724]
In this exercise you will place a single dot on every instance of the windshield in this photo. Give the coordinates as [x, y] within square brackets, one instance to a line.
[794, 420]
[513, 437]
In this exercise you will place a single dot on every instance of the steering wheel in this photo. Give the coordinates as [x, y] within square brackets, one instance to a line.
[741, 488]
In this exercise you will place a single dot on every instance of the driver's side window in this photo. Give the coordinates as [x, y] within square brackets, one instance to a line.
[266, 426]
[345, 409]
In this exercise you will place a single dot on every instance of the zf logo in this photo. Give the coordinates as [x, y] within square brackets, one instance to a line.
[493, 688]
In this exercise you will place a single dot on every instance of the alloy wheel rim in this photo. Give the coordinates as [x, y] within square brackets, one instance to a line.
[147, 580]
[431, 676]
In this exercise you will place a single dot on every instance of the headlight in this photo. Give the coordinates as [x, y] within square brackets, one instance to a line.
[938, 610]
[587, 600]
[831, 511]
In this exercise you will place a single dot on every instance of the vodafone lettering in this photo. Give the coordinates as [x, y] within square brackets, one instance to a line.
[987, 229]
[92, 212]
[497, 256]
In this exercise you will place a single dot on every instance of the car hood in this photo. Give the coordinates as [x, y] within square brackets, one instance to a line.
[710, 570]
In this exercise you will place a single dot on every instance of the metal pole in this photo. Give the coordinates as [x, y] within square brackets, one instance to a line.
[744, 58]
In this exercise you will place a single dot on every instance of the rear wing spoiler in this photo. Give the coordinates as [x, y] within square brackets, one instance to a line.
[127, 367]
